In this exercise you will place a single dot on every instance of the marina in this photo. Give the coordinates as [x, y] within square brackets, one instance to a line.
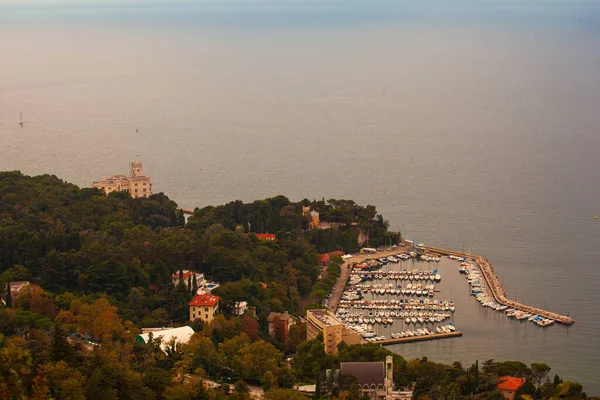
[389, 300]
[396, 299]
[512, 308]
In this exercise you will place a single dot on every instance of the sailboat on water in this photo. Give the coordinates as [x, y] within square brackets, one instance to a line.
[21, 119]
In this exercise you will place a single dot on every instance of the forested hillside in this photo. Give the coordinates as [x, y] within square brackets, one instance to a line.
[101, 267]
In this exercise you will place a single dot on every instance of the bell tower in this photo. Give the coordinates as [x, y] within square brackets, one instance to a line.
[389, 376]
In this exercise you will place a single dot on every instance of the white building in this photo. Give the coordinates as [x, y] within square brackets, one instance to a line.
[240, 307]
[200, 281]
[180, 335]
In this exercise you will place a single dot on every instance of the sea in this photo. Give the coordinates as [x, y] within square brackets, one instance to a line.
[472, 125]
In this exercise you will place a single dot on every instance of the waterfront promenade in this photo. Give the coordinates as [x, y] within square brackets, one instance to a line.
[496, 287]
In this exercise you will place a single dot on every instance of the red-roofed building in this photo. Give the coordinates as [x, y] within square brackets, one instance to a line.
[509, 385]
[324, 258]
[204, 307]
[266, 236]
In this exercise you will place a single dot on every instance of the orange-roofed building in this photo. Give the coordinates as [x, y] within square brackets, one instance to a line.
[204, 307]
[324, 258]
[266, 236]
[509, 385]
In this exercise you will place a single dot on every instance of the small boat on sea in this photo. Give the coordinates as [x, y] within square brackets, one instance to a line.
[21, 120]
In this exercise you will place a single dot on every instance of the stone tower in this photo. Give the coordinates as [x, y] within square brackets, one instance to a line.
[389, 376]
[305, 211]
[137, 169]
[314, 219]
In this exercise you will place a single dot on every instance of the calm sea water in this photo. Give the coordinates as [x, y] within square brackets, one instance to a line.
[470, 125]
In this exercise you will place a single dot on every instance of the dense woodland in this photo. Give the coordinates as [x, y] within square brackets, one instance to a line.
[100, 269]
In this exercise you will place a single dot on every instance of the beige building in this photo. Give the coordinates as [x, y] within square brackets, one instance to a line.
[333, 330]
[204, 307]
[136, 184]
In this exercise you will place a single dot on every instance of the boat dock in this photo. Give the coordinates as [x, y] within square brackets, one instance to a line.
[496, 288]
[420, 338]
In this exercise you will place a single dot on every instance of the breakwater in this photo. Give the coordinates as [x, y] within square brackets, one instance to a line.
[496, 287]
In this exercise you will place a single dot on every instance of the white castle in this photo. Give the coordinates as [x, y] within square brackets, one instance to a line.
[136, 184]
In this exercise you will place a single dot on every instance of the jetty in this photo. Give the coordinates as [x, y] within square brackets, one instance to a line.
[496, 288]
[422, 338]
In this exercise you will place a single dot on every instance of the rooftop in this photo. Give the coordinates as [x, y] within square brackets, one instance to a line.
[510, 383]
[325, 317]
[367, 373]
[266, 236]
[204, 300]
[181, 335]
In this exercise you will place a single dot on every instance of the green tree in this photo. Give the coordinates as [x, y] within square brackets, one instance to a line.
[495, 395]
[61, 350]
[8, 295]
[538, 372]
[178, 306]
[259, 358]
[565, 391]
[194, 285]
[284, 394]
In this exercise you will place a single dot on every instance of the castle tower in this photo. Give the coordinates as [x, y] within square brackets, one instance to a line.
[305, 211]
[314, 219]
[139, 184]
[137, 169]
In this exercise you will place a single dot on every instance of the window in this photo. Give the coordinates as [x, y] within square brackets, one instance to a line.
[135, 184]
[144, 189]
[206, 309]
[206, 316]
[144, 183]
[136, 191]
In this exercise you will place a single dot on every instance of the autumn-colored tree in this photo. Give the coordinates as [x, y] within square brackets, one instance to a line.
[259, 358]
[35, 299]
[15, 365]
[250, 327]
[40, 387]
[65, 382]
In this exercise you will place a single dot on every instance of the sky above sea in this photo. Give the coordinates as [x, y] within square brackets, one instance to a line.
[578, 12]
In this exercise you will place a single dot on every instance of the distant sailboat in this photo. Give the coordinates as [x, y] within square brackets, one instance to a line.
[21, 119]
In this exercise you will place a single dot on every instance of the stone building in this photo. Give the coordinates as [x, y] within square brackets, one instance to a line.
[136, 184]
[333, 330]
